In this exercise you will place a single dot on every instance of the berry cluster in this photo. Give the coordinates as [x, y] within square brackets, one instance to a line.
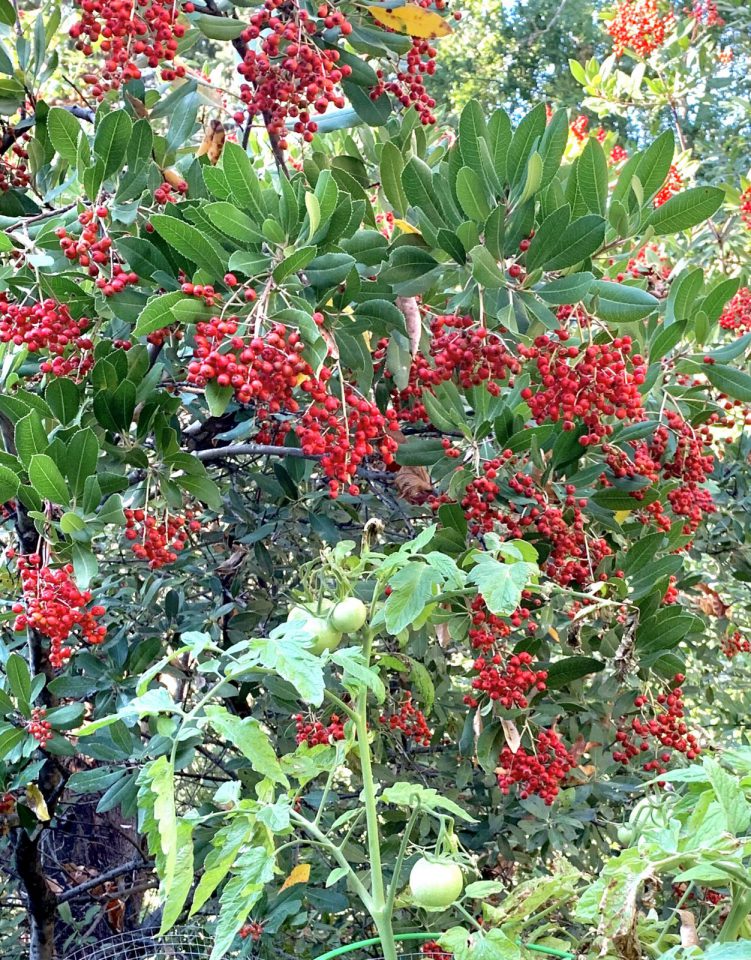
[539, 772]
[39, 727]
[265, 369]
[315, 732]
[93, 249]
[129, 32]
[47, 325]
[676, 451]
[658, 731]
[251, 931]
[618, 154]
[737, 313]
[706, 13]
[55, 607]
[343, 430]
[639, 26]
[434, 951]
[460, 351]
[509, 686]
[288, 74]
[7, 804]
[159, 541]
[410, 721]
[338, 425]
[15, 174]
[745, 207]
[487, 630]
[584, 384]
[170, 192]
[673, 184]
[580, 128]
[734, 643]
[571, 556]
[408, 85]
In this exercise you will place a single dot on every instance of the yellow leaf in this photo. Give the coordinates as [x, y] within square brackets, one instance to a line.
[300, 874]
[37, 802]
[621, 515]
[413, 20]
[406, 227]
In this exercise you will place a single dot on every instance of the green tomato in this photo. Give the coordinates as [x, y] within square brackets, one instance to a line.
[323, 634]
[349, 615]
[435, 884]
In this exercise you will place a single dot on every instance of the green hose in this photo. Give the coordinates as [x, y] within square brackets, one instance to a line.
[351, 947]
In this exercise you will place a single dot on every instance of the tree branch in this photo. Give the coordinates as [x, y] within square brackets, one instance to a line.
[252, 450]
[113, 874]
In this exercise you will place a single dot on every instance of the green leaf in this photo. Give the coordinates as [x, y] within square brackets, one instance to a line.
[233, 222]
[218, 28]
[30, 437]
[297, 260]
[409, 795]
[735, 383]
[547, 240]
[175, 893]
[417, 182]
[83, 453]
[592, 177]
[158, 313]
[64, 132]
[495, 227]
[407, 263]
[190, 242]
[654, 164]
[85, 565]
[47, 480]
[617, 500]
[64, 399]
[19, 677]
[578, 241]
[7, 13]
[485, 270]
[665, 339]
[250, 739]
[254, 869]
[565, 671]
[526, 135]
[356, 672]
[329, 269]
[566, 290]
[472, 195]
[374, 113]
[9, 484]
[620, 303]
[472, 129]
[242, 179]
[501, 584]
[411, 590]
[687, 209]
[111, 141]
[286, 653]
[391, 166]
[731, 797]
[552, 146]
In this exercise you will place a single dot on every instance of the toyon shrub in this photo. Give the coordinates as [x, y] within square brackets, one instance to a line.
[353, 479]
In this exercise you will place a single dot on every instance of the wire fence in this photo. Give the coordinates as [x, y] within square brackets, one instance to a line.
[195, 943]
[189, 943]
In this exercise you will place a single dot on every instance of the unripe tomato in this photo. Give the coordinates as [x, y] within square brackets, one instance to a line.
[435, 884]
[349, 615]
[325, 636]
[625, 835]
